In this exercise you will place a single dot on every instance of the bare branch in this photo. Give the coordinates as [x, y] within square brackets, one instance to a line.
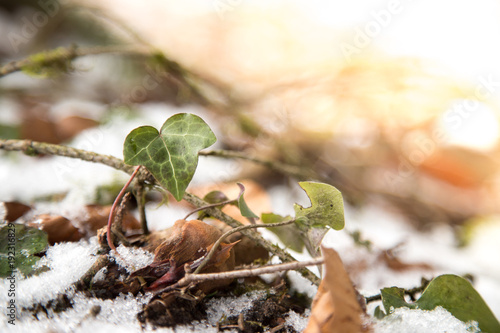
[282, 168]
[209, 206]
[67, 54]
[197, 278]
[41, 148]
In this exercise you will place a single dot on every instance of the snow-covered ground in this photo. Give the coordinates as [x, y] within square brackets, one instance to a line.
[23, 178]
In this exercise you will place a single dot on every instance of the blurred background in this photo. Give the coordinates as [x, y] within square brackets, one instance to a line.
[394, 102]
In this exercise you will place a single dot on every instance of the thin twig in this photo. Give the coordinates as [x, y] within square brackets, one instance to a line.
[210, 206]
[117, 227]
[69, 53]
[140, 195]
[197, 278]
[232, 231]
[41, 148]
[113, 208]
[282, 168]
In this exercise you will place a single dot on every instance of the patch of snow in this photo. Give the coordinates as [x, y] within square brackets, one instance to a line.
[297, 321]
[439, 320]
[302, 285]
[231, 306]
[64, 271]
[132, 258]
[81, 317]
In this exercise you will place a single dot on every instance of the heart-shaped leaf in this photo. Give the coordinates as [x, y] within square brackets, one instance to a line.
[453, 293]
[327, 207]
[171, 155]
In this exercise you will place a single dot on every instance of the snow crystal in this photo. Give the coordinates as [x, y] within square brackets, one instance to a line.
[297, 321]
[439, 320]
[231, 306]
[67, 263]
[132, 258]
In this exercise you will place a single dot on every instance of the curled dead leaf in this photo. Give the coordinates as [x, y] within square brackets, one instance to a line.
[69, 127]
[336, 306]
[188, 243]
[11, 211]
[58, 228]
[396, 264]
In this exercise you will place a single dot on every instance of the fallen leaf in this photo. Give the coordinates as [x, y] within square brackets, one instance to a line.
[69, 127]
[38, 127]
[246, 251]
[58, 228]
[187, 243]
[11, 211]
[396, 264]
[97, 217]
[460, 167]
[336, 306]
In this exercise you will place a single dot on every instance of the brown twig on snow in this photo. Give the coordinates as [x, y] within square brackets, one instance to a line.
[33, 148]
[243, 273]
[102, 261]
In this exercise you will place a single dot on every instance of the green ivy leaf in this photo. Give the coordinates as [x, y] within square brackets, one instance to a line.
[393, 298]
[379, 313]
[327, 207]
[214, 197]
[453, 293]
[242, 205]
[171, 155]
[290, 235]
[20, 243]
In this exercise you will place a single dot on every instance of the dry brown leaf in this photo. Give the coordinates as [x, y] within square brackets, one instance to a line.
[11, 211]
[336, 308]
[58, 228]
[69, 127]
[460, 167]
[396, 264]
[187, 242]
[38, 127]
[97, 217]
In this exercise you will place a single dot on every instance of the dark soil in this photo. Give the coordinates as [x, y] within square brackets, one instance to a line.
[183, 307]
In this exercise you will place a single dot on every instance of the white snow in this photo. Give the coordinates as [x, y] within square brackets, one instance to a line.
[231, 306]
[132, 258]
[439, 320]
[67, 263]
